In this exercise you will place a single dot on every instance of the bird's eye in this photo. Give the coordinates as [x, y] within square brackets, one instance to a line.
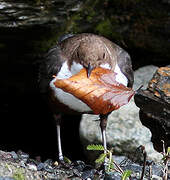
[104, 55]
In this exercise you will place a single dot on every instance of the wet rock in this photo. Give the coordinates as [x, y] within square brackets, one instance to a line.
[160, 84]
[154, 104]
[32, 167]
[22, 155]
[40, 166]
[27, 30]
[22, 14]
[14, 154]
[142, 25]
[124, 129]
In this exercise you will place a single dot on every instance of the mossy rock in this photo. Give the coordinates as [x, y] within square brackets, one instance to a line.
[135, 25]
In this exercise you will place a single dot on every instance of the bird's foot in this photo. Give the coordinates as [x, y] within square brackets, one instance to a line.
[64, 162]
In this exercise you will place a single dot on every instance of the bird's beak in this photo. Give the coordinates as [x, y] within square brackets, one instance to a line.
[89, 70]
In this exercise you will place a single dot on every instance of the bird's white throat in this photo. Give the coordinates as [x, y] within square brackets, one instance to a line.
[68, 99]
[65, 72]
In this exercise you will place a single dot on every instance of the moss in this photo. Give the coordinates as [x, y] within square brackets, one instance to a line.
[84, 18]
[126, 22]
[104, 27]
[93, 17]
[73, 25]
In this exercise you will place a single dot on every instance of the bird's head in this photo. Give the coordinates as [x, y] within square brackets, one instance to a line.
[91, 55]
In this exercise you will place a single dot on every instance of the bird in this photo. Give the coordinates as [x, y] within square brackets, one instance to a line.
[72, 53]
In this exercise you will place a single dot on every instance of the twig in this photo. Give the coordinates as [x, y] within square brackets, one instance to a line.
[150, 171]
[163, 147]
[144, 161]
[118, 167]
[137, 91]
[166, 158]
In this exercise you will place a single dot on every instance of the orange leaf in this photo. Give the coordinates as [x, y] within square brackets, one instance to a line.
[101, 92]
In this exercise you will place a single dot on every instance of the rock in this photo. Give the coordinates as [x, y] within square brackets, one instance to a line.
[40, 166]
[154, 104]
[12, 169]
[14, 154]
[133, 24]
[160, 84]
[32, 167]
[27, 30]
[124, 129]
[24, 14]
[143, 75]
[136, 169]
[6, 178]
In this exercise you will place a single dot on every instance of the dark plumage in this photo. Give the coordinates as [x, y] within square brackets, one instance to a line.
[72, 53]
[84, 48]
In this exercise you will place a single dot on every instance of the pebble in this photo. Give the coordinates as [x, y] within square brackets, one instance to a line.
[40, 166]
[32, 167]
[22, 163]
[14, 155]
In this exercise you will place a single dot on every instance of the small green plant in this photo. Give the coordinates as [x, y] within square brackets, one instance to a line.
[19, 175]
[67, 160]
[126, 174]
[166, 155]
[107, 158]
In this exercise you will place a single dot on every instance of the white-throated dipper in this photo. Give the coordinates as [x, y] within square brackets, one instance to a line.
[68, 57]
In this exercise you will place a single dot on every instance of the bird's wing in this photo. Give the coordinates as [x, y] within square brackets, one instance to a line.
[123, 60]
[49, 66]
[64, 37]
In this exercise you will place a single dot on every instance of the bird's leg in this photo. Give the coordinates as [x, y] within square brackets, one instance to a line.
[58, 119]
[103, 124]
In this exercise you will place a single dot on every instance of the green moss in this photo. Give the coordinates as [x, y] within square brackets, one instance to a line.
[83, 19]
[92, 17]
[73, 24]
[108, 29]
[104, 28]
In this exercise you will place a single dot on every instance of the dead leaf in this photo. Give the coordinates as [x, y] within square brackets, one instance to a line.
[101, 92]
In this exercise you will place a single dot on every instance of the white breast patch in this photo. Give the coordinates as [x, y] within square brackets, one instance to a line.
[68, 99]
[66, 73]
[120, 77]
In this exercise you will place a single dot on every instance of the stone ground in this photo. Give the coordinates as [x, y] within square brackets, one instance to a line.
[18, 166]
